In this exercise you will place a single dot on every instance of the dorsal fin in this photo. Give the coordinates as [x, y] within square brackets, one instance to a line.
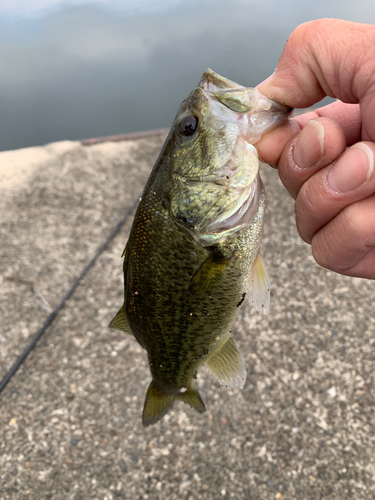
[227, 364]
[120, 322]
[125, 254]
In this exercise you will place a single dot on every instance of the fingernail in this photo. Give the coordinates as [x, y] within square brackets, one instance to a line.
[352, 170]
[309, 147]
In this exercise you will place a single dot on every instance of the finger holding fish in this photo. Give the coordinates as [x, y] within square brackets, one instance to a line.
[302, 147]
[342, 183]
[333, 191]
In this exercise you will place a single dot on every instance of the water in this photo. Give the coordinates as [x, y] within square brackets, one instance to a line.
[75, 69]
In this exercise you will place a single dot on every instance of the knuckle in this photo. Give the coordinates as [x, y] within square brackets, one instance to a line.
[360, 224]
[322, 254]
[347, 239]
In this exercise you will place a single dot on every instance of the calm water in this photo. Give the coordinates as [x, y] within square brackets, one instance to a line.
[75, 69]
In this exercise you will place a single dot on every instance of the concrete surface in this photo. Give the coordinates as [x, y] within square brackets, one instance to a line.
[70, 419]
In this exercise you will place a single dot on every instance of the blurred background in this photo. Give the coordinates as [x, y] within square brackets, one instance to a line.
[74, 69]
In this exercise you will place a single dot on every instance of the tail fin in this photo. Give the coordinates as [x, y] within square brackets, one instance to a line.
[158, 403]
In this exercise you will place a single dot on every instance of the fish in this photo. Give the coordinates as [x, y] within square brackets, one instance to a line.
[193, 252]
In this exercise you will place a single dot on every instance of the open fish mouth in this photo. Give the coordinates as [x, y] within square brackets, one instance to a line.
[229, 102]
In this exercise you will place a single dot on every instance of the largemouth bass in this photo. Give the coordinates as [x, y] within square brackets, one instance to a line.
[194, 247]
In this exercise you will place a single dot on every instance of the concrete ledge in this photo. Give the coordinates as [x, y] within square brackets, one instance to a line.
[70, 420]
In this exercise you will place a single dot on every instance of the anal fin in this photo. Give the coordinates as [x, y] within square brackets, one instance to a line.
[228, 365]
[120, 322]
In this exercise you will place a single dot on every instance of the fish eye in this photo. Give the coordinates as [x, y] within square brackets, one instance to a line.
[188, 125]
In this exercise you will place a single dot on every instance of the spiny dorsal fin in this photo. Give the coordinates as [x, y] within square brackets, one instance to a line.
[158, 403]
[125, 252]
[227, 364]
[120, 322]
[259, 292]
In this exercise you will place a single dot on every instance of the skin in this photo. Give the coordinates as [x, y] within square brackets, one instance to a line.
[325, 158]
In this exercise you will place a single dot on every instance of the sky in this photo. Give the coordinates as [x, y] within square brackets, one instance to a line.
[72, 69]
[37, 8]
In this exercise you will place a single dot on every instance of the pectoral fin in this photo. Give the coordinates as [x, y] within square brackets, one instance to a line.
[210, 272]
[227, 364]
[120, 322]
[259, 292]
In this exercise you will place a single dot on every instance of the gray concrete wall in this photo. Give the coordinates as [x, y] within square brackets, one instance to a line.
[70, 420]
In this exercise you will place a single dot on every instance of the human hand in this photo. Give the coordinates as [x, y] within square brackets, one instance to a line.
[327, 164]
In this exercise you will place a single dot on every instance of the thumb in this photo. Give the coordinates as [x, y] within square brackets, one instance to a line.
[327, 57]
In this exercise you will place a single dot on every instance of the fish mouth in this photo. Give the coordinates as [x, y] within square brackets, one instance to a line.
[229, 102]
[212, 81]
[254, 116]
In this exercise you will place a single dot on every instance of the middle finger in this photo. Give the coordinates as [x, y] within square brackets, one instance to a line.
[318, 144]
[331, 189]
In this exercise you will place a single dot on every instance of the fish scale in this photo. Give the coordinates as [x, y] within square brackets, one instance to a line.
[193, 250]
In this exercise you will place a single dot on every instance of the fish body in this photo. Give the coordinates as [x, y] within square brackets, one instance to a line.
[193, 250]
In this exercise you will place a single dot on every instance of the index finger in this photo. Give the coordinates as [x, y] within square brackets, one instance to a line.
[347, 116]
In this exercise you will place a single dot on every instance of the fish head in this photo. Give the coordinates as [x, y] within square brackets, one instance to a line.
[216, 187]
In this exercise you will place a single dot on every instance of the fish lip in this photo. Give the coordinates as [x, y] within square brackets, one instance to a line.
[262, 103]
[212, 79]
[265, 115]
[275, 106]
